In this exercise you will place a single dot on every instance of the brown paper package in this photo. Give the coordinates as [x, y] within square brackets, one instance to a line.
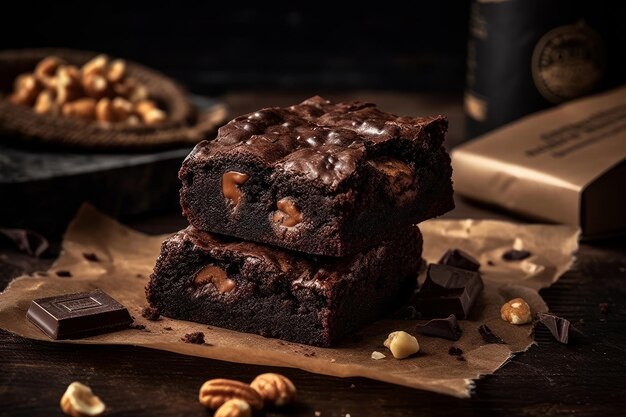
[565, 165]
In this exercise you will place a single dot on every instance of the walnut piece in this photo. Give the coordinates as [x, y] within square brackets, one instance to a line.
[234, 408]
[79, 401]
[275, 389]
[401, 344]
[516, 311]
[216, 392]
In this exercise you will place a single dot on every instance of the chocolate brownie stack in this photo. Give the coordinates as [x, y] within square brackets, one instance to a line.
[302, 220]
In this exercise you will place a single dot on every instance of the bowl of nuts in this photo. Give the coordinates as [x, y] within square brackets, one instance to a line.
[83, 99]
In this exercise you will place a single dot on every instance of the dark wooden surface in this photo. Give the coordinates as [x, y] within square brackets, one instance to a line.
[587, 378]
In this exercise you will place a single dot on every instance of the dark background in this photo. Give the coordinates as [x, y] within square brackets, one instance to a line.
[213, 48]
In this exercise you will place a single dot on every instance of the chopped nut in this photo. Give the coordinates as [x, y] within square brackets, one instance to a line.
[401, 344]
[275, 389]
[216, 392]
[234, 408]
[378, 355]
[516, 311]
[79, 401]
[84, 108]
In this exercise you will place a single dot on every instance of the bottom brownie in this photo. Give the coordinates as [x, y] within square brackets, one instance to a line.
[259, 289]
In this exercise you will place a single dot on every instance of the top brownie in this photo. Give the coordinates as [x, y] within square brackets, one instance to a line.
[318, 177]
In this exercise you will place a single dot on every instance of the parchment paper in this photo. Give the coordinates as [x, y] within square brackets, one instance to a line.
[126, 258]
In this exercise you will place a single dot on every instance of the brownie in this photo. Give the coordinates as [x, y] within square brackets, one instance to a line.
[255, 288]
[318, 177]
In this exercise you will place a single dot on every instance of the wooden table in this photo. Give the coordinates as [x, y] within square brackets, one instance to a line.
[585, 379]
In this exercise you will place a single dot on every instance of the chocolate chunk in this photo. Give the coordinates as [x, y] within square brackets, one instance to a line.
[455, 351]
[91, 257]
[26, 241]
[73, 316]
[515, 255]
[488, 336]
[459, 259]
[195, 338]
[448, 290]
[64, 273]
[151, 313]
[558, 326]
[447, 328]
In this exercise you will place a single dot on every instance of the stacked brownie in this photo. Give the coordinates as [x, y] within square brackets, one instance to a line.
[302, 220]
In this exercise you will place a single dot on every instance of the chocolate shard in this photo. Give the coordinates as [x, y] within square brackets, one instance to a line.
[515, 255]
[489, 336]
[459, 259]
[73, 316]
[447, 328]
[448, 290]
[558, 326]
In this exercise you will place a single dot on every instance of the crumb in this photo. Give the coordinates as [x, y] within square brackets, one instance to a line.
[167, 328]
[64, 273]
[455, 351]
[139, 276]
[138, 326]
[333, 360]
[491, 263]
[460, 358]
[196, 338]
[604, 308]
[378, 355]
[90, 256]
[151, 313]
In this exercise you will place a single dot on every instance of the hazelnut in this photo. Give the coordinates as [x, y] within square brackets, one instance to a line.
[216, 392]
[68, 87]
[516, 311]
[95, 85]
[149, 112]
[84, 108]
[46, 70]
[401, 344]
[104, 111]
[275, 389]
[122, 108]
[79, 401]
[234, 408]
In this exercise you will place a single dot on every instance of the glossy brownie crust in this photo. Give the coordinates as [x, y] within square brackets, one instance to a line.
[319, 178]
[255, 288]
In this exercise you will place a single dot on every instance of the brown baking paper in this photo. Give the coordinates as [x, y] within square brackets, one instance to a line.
[126, 258]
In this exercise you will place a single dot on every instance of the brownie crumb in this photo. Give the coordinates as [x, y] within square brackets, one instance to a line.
[515, 255]
[151, 313]
[604, 308]
[168, 328]
[138, 326]
[91, 257]
[196, 338]
[64, 273]
[455, 351]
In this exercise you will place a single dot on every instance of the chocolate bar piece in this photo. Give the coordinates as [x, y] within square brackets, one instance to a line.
[448, 290]
[460, 259]
[319, 177]
[72, 316]
[254, 288]
[558, 326]
[447, 328]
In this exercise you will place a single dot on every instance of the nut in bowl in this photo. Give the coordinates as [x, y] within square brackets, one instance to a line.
[100, 90]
